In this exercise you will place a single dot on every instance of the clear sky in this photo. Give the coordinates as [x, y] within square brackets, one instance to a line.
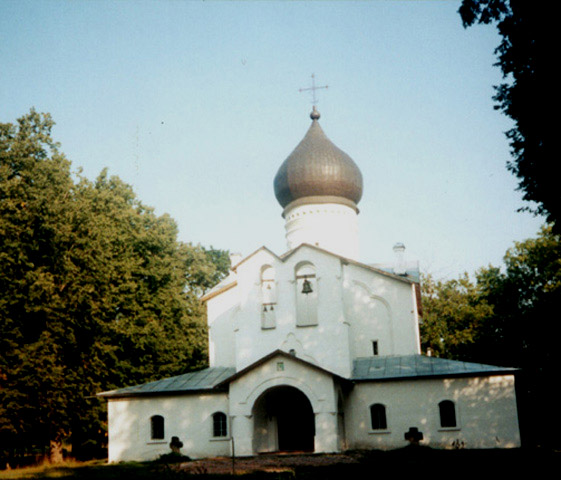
[196, 104]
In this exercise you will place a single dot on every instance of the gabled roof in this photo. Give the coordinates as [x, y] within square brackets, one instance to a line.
[419, 366]
[365, 369]
[285, 256]
[277, 353]
[202, 380]
[349, 261]
[230, 281]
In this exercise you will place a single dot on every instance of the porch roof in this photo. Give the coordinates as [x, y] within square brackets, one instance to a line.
[419, 366]
[201, 380]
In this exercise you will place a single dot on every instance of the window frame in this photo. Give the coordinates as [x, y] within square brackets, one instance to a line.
[448, 410]
[381, 421]
[219, 425]
[157, 428]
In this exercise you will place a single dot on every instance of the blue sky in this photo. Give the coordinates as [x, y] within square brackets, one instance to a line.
[196, 105]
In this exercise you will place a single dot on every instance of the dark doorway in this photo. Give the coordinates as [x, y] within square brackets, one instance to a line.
[288, 412]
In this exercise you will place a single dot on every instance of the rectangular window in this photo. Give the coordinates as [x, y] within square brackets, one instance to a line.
[375, 347]
[378, 417]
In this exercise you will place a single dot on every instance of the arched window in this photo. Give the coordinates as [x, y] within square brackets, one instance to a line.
[268, 297]
[157, 427]
[447, 411]
[306, 295]
[219, 424]
[378, 417]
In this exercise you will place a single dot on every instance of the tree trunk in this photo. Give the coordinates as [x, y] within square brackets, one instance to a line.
[55, 451]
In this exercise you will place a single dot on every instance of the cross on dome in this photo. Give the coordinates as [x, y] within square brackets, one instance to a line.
[313, 89]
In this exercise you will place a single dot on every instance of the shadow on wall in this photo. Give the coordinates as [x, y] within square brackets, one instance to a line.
[484, 413]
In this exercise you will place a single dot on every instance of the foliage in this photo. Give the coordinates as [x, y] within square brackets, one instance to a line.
[96, 292]
[453, 315]
[523, 56]
[508, 318]
[525, 297]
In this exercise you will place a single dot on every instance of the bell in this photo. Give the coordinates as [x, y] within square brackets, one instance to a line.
[306, 287]
[264, 308]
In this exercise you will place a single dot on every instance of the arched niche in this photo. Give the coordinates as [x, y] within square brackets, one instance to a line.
[268, 297]
[306, 294]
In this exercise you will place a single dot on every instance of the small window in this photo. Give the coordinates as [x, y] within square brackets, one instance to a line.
[375, 347]
[219, 425]
[378, 417]
[447, 414]
[157, 427]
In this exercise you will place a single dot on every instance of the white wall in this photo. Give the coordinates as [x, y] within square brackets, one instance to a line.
[355, 306]
[325, 343]
[188, 417]
[379, 307]
[331, 226]
[485, 410]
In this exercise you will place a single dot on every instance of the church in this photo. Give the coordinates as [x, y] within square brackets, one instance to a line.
[313, 350]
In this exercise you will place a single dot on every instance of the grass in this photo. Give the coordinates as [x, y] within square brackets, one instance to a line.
[415, 463]
[96, 469]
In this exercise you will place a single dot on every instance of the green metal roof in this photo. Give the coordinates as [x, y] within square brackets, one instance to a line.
[205, 379]
[415, 366]
[364, 369]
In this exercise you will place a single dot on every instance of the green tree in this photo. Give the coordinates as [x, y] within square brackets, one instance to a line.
[507, 318]
[525, 330]
[95, 292]
[453, 315]
[527, 31]
[525, 297]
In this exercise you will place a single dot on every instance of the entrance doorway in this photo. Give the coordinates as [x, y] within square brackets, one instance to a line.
[283, 421]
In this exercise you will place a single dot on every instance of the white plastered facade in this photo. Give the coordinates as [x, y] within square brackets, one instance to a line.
[355, 305]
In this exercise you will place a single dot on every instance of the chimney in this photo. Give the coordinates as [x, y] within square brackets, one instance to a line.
[399, 266]
[235, 258]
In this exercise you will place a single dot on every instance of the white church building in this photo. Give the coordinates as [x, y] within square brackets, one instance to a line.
[314, 351]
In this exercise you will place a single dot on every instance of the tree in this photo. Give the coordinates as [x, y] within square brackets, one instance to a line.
[525, 96]
[453, 315]
[525, 328]
[525, 298]
[507, 318]
[95, 292]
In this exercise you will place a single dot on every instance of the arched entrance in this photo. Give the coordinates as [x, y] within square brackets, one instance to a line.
[283, 421]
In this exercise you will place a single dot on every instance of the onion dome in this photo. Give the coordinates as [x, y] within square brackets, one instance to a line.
[317, 168]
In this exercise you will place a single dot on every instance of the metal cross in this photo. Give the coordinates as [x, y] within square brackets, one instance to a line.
[313, 88]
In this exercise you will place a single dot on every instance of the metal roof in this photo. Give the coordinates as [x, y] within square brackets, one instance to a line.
[415, 366]
[205, 379]
[317, 167]
[364, 369]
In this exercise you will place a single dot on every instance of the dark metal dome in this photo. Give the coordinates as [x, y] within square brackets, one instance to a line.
[317, 167]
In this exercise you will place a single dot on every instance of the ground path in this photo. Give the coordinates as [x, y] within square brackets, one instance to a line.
[266, 463]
